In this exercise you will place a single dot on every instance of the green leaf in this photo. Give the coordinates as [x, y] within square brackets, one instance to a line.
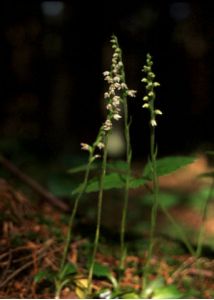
[44, 274]
[167, 292]
[136, 182]
[68, 269]
[101, 271]
[118, 166]
[157, 289]
[104, 271]
[82, 168]
[111, 181]
[167, 165]
[130, 295]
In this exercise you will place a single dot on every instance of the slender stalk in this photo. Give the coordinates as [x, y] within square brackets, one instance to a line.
[74, 211]
[99, 213]
[153, 154]
[204, 216]
[149, 101]
[126, 190]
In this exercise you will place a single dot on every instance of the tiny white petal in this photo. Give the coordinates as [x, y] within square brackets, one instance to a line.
[100, 145]
[84, 146]
[156, 83]
[151, 94]
[158, 112]
[146, 105]
[153, 123]
[106, 95]
[106, 73]
[116, 116]
[109, 106]
[124, 86]
[116, 79]
[145, 98]
[131, 93]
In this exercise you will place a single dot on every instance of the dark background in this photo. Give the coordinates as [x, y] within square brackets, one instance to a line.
[53, 54]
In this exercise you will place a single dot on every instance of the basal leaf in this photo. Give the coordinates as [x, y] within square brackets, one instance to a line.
[104, 271]
[167, 165]
[101, 270]
[68, 270]
[130, 295]
[167, 292]
[111, 181]
[44, 274]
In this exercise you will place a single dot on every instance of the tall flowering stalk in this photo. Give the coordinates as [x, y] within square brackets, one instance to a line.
[114, 98]
[92, 156]
[118, 68]
[149, 103]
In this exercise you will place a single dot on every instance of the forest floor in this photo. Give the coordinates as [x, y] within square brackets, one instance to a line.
[32, 241]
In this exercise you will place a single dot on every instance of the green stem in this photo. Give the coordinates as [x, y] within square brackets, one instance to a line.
[76, 203]
[99, 213]
[126, 190]
[154, 210]
[204, 216]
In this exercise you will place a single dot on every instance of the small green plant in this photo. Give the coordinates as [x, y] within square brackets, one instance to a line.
[92, 156]
[117, 90]
[149, 104]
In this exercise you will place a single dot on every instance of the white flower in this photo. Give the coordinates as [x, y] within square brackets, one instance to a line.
[153, 123]
[106, 73]
[107, 125]
[115, 55]
[156, 83]
[123, 85]
[109, 106]
[146, 105]
[131, 93]
[145, 98]
[116, 101]
[116, 79]
[85, 146]
[151, 94]
[158, 112]
[106, 95]
[100, 145]
[116, 116]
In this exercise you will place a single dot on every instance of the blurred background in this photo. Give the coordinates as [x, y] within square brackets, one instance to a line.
[52, 57]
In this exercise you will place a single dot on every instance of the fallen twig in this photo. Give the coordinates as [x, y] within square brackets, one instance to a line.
[41, 253]
[33, 184]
